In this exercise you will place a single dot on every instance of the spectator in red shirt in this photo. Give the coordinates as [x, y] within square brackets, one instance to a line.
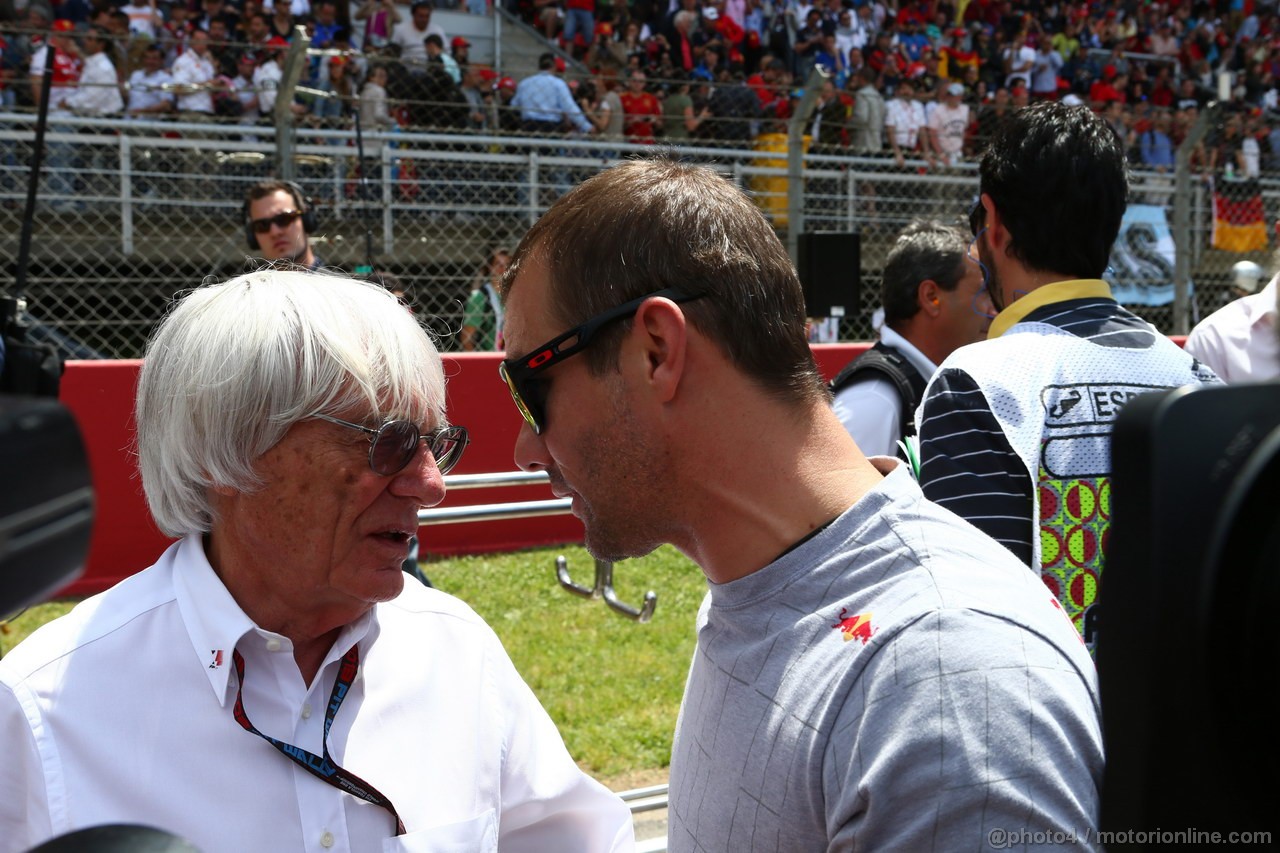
[1109, 88]
[641, 109]
[765, 83]
[884, 60]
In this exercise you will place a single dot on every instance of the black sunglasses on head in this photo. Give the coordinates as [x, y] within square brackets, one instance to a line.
[280, 220]
[395, 443]
[530, 393]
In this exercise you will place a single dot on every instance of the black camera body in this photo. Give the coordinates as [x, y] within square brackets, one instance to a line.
[46, 507]
[1188, 655]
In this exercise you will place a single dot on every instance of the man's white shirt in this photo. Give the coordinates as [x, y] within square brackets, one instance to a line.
[122, 712]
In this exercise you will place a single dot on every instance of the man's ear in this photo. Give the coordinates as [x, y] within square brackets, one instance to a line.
[997, 231]
[927, 297]
[660, 332]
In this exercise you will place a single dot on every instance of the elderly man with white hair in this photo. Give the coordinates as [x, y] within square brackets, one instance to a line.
[258, 689]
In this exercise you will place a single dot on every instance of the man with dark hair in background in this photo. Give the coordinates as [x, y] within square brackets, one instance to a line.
[1015, 432]
[871, 672]
[410, 36]
[97, 92]
[934, 302]
[545, 102]
[482, 317]
[276, 219]
[150, 89]
[194, 76]
[442, 104]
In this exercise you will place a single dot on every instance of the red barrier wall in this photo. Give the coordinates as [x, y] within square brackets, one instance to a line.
[100, 394]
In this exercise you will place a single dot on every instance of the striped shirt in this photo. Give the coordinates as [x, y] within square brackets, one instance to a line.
[1015, 432]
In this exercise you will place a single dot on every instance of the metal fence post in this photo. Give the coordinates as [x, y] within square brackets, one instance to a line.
[388, 238]
[126, 194]
[1182, 204]
[286, 144]
[795, 160]
[531, 187]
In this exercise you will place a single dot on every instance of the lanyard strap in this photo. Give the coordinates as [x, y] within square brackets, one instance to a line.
[322, 767]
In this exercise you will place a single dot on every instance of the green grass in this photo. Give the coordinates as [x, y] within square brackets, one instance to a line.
[612, 685]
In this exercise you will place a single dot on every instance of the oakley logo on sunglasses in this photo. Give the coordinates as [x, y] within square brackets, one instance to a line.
[528, 392]
[539, 359]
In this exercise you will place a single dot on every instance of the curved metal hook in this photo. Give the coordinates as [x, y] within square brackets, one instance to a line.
[604, 589]
[562, 575]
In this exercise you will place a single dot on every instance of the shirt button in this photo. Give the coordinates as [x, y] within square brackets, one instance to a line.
[306, 711]
[326, 840]
[273, 645]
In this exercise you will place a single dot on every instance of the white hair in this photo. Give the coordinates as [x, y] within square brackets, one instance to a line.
[234, 365]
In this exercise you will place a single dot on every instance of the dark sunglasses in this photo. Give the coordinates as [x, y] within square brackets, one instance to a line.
[977, 217]
[978, 224]
[280, 220]
[530, 394]
[394, 444]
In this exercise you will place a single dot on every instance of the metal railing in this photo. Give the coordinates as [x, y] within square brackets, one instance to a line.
[129, 214]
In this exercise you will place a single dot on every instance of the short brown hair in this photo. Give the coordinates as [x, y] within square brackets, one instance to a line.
[646, 225]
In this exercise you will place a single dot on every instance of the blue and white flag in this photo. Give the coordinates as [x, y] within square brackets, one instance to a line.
[1143, 258]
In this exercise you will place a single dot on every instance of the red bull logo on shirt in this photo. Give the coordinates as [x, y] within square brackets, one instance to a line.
[856, 627]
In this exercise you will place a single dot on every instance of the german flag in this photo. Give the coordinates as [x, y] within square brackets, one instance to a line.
[1239, 220]
[954, 62]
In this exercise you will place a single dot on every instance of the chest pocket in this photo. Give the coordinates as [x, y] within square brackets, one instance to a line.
[478, 835]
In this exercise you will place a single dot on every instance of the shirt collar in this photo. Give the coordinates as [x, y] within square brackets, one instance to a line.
[214, 620]
[1263, 304]
[216, 623]
[1058, 291]
[918, 360]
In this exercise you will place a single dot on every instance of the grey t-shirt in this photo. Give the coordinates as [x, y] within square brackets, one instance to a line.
[897, 682]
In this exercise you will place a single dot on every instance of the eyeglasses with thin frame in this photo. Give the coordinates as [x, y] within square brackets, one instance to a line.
[395, 443]
[280, 220]
[529, 393]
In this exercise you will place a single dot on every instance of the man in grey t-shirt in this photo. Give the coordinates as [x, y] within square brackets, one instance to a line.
[871, 671]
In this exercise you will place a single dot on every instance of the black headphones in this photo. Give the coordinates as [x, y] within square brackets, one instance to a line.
[300, 198]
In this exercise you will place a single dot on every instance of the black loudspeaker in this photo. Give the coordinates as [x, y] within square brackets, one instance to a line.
[830, 268]
[1188, 653]
[300, 198]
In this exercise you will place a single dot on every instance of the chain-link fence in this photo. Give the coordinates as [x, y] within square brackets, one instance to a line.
[131, 213]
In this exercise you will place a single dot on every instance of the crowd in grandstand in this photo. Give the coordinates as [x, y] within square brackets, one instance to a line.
[925, 80]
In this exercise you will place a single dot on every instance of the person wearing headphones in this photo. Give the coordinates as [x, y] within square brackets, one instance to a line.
[279, 219]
